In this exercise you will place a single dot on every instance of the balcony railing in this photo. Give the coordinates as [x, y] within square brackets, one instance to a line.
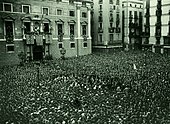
[111, 30]
[100, 30]
[71, 37]
[60, 37]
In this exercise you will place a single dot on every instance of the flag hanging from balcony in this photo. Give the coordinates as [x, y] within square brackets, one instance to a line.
[39, 40]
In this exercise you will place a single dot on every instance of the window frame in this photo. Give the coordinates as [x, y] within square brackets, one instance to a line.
[60, 43]
[70, 13]
[24, 25]
[13, 31]
[85, 46]
[47, 9]
[8, 4]
[27, 6]
[84, 13]
[59, 10]
[7, 45]
[74, 45]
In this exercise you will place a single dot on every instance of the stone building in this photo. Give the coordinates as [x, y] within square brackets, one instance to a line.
[157, 26]
[41, 28]
[107, 23]
[132, 13]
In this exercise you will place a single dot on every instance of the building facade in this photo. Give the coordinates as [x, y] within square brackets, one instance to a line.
[41, 28]
[157, 25]
[107, 23]
[132, 14]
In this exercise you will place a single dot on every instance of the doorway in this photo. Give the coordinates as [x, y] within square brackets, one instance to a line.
[37, 52]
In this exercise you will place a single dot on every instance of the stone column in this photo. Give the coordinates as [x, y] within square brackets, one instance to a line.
[78, 28]
[89, 22]
[78, 22]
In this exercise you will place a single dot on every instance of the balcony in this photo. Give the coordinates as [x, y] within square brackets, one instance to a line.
[111, 30]
[100, 30]
[118, 30]
[60, 37]
[71, 37]
[9, 38]
[100, 19]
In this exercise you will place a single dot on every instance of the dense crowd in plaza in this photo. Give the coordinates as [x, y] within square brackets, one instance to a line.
[115, 88]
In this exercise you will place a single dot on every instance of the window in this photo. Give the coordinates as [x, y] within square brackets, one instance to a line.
[100, 1]
[59, 12]
[45, 11]
[9, 28]
[100, 25]
[10, 48]
[60, 29]
[84, 14]
[71, 13]
[100, 7]
[100, 37]
[27, 27]
[111, 25]
[111, 1]
[114, 7]
[130, 13]
[7, 7]
[71, 1]
[60, 45]
[46, 28]
[84, 4]
[84, 29]
[85, 45]
[72, 45]
[117, 2]
[26, 9]
[111, 38]
[71, 29]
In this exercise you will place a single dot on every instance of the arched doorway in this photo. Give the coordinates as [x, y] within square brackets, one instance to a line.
[37, 52]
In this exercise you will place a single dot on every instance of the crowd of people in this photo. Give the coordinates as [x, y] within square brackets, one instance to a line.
[115, 88]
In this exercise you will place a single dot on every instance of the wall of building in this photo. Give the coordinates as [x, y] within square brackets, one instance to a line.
[127, 6]
[105, 8]
[36, 10]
